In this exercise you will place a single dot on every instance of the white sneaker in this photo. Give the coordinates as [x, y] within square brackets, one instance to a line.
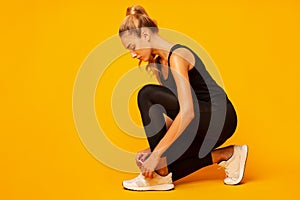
[235, 166]
[140, 183]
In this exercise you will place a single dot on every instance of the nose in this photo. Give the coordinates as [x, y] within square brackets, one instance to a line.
[133, 55]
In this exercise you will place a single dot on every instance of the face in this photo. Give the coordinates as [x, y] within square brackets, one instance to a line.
[139, 47]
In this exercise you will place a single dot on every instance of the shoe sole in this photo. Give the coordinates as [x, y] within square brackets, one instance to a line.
[161, 187]
[243, 162]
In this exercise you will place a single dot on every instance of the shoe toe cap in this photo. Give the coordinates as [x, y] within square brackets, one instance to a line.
[231, 181]
[128, 184]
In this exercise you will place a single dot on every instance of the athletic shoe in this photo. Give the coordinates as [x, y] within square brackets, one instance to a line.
[235, 166]
[140, 183]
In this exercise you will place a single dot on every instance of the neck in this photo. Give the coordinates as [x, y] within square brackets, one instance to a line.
[161, 47]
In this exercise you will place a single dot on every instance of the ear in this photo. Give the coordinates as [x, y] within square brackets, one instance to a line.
[146, 35]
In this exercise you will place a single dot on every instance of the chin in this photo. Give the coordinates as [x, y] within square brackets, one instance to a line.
[146, 59]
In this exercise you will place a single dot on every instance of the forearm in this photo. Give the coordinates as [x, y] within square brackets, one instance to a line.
[179, 124]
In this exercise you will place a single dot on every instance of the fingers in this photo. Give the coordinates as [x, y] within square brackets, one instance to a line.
[140, 158]
[144, 156]
[137, 159]
[148, 174]
[139, 163]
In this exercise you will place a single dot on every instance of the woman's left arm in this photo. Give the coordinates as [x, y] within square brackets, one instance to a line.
[183, 118]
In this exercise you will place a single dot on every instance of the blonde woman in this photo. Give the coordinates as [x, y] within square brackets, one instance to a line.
[179, 114]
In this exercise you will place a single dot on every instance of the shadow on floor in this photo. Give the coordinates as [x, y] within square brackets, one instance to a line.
[213, 172]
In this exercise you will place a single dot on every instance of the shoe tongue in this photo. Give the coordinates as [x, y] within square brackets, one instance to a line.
[155, 174]
[168, 176]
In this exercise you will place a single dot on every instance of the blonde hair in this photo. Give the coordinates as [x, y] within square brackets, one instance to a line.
[137, 18]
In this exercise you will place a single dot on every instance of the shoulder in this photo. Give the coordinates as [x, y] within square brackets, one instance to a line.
[182, 56]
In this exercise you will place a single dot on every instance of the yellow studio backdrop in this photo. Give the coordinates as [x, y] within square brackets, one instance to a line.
[254, 45]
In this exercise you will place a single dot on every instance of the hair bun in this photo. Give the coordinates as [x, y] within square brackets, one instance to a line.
[136, 9]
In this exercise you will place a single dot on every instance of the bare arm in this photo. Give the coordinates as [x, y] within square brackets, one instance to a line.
[181, 121]
[186, 113]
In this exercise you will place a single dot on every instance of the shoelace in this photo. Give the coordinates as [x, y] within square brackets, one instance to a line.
[231, 172]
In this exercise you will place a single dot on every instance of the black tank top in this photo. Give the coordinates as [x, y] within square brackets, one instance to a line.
[204, 86]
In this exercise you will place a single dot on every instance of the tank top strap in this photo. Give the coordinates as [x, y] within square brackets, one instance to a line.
[176, 46]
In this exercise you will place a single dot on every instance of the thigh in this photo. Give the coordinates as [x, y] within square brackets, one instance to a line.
[194, 141]
[227, 131]
[206, 120]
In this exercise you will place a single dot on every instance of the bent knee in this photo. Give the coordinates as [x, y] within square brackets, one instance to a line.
[145, 92]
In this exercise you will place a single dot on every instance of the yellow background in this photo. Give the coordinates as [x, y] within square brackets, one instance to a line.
[255, 45]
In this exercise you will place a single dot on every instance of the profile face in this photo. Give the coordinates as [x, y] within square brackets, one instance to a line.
[139, 47]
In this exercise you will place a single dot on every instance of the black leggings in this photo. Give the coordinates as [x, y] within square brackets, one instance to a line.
[182, 156]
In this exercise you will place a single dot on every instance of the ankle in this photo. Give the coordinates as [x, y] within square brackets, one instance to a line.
[163, 171]
[222, 154]
[228, 152]
[162, 168]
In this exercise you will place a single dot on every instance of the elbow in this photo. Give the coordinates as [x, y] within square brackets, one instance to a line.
[188, 115]
[191, 116]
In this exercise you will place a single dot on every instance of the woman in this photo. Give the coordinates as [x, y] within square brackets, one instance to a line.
[183, 116]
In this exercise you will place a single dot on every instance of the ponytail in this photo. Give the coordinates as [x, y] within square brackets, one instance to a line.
[137, 18]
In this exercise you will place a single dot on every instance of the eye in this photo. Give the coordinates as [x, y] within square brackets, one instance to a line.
[133, 47]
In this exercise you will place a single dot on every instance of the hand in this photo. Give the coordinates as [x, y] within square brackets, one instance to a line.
[149, 165]
[141, 157]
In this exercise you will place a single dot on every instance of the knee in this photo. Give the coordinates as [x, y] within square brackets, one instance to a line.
[145, 93]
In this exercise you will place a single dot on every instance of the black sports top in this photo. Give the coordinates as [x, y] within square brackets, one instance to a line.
[204, 86]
